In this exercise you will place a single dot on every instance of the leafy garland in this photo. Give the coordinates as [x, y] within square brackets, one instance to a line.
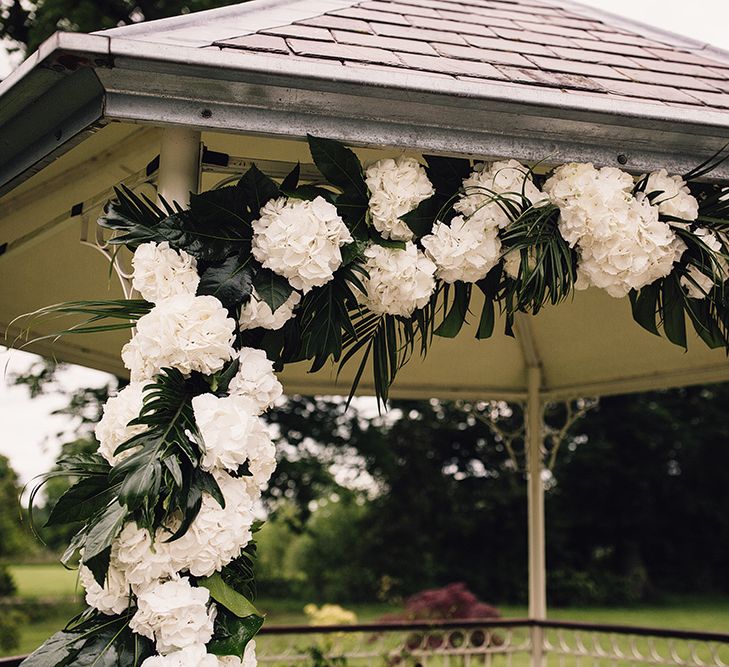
[226, 259]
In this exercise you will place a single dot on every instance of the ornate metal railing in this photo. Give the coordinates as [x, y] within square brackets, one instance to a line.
[488, 643]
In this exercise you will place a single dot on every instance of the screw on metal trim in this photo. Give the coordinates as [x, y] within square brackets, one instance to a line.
[206, 113]
[622, 158]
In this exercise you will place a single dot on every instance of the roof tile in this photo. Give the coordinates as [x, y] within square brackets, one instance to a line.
[678, 68]
[451, 66]
[549, 28]
[395, 70]
[647, 91]
[336, 51]
[713, 99]
[501, 44]
[388, 43]
[338, 23]
[664, 79]
[625, 49]
[409, 32]
[678, 56]
[533, 37]
[552, 79]
[575, 67]
[476, 19]
[257, 42]
[483, 55]
[398, 8]
[370, 15]
[597, 57]
[631, 40]
[459, 27]
[305, 31]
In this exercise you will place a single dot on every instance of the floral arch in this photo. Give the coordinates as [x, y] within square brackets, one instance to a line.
[364, 268]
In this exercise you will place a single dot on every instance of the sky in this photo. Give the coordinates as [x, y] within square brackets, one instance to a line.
[26, 428]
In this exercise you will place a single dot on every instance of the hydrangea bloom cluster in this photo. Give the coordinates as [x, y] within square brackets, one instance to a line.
[672, 196]
[621, 241]
[467, 249]
[113, 429]
[149, 571]
[300, 240]
[186, 332]
[161, 272]
[400, 281]
[396, 188]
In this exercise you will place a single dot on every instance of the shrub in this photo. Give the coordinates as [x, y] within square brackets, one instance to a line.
[7, 585]
[11, 621]
[450, 602]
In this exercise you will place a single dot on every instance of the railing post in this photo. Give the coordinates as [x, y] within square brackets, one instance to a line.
[179, 164]
[535, 496]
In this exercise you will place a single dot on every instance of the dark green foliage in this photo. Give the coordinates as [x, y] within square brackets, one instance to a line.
[341, 167]
[233, 633]
[11, 622]
[15, 539]
[230, 282]
[7, 585]
[211, 230]
[239, 573]
[29, 23]
[93, 639]
[272, 288]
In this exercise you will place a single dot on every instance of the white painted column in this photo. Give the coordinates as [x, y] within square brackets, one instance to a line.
[179, 164]
[534, 418]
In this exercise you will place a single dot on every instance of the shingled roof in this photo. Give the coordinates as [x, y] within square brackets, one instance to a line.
[520, 43]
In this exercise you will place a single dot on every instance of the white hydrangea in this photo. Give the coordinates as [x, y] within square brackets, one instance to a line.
[464, 250]
[113, 597]
[396, 188]
[231, 430]
[113, 428]
[141, 560]
[174, 614]
[676, 199]
[300, 240]
[255, 379]
[697, 284]
[257, 313]
[622, 243]
[161, 272]
[190, 656]
[509, 179]
[190, 333]
[216, 535]
[249, 658]
[400, 281]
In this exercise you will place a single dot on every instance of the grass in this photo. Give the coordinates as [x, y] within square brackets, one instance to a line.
[44, 581]
[53, 597]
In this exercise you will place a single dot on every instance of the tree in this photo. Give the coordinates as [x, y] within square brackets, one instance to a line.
[15, 539]
[27, 24]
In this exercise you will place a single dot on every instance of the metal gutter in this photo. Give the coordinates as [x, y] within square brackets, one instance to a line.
[50, 104]
[77, 82]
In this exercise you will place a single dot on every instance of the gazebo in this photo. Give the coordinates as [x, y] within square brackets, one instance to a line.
[180, 104]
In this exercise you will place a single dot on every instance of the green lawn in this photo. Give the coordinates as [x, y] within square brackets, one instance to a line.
[51, 583]
[44, 581]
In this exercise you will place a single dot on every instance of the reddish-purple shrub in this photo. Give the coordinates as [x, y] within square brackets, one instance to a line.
[450, 602]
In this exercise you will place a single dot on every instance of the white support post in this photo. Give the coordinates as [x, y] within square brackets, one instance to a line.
[179, 164]
[535, 494]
